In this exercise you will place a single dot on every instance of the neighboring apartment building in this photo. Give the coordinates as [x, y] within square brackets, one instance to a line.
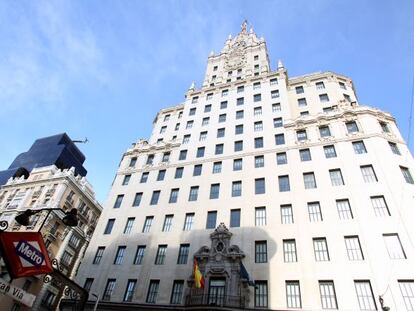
[50, 187]
[311, 190]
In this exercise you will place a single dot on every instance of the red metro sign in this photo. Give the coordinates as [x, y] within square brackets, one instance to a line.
[25, 254]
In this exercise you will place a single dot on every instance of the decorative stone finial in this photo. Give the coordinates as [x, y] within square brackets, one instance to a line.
[192, 86]
[251, 29]
[212, 53]
[244, 26]
[280, 65]
[229, 37]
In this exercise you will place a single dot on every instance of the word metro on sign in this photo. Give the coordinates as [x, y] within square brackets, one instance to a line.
[29, 253]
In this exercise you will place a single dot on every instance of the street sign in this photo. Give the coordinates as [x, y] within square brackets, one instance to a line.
[16, 293]
[25, 253]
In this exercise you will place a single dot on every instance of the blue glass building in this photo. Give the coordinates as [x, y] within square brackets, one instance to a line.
[59, 150]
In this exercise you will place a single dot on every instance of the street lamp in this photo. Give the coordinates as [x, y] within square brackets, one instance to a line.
[70, 219]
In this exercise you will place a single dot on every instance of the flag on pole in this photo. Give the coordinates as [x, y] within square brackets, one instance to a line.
[245, 275]
[198, 277]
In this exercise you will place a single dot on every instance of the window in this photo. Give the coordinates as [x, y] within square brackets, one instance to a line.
[129, 224]
[289, 250]
[209, 96]
[238, 145]
[309, 180]
[276, 107]
[407, 292]
[153, 289]
[147, 224]
[222, 118]
[384, 127]
[274, 94]
[256, 57]
[193, 195]
[324, 98]
[304, 113]
[129, 292]
[280, 139]
[257, 111]
[155, 196]
[273, 81]
[380, 206]
[239, 114]
[368, 173]
[189, 124]
[344, 209]
[207, 108]
[160, 140]
[119, 257]
[109, 226]
[305, 155]
[118, 201]
[203, 136]
[177, 292]
[321, 249]
[180, 114]
[144, 177]
[407, 175]
[365, 295]
[353, 248]
[336, 177]
[301, 135]
[359, 147]
[256, 85]
[166, 117]
[236, 188]
[205, 121]
[260, 251]
[258, 161]
[179, 172]
[225, 92]
[258, 126]
[194, 100]
[342, 85]
[161, 253]
[66, 259]
[393, 245]
[257, 98]
[352, 127]
[328, 295]
[139, 255]
[216, 167]
[324, 131]
[347, 97]
[214, 191]
[126, 180]
[200, 152]
[188, 222]
[284, 184]
[219, 149]
[109, 288]
[302, 102]
[237, 164]
[260, 294]
[293, 294]
[166, 227]
[173, 195]
[220, 132]
[260, 216]
[183, 155]
[177, 127]
[240, 89]
[223, 105]
[238, 129]
[320, 85]
[329, 151]
[163, 129]
[186, 139]
[132, 162]
[240, 101]
[286, 214]
[161, 175]
[48, 300]
[314, 210]
[277, 122]
[258, 142]
[211, 220]
[88, 284]
[235, 218]
[215, 68]
[299, 90]
[394, 148]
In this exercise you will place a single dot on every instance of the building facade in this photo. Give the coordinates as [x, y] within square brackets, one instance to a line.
[50, 187]
[289, 182]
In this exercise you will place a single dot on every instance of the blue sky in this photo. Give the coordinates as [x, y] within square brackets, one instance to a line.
[102, 69]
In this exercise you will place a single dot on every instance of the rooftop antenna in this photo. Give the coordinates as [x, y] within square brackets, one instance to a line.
[81, 141]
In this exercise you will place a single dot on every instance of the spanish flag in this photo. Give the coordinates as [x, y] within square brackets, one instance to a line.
[198, 277]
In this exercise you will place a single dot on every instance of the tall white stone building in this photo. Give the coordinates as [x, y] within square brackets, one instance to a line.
[292, 176]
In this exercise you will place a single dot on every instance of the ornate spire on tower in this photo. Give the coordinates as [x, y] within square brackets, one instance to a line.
[244, 26]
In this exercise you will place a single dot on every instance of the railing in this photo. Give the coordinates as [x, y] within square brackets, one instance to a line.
[216, 301]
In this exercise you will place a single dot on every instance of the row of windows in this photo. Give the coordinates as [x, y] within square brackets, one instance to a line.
[309, 180]
[378, 203]
[327, 292]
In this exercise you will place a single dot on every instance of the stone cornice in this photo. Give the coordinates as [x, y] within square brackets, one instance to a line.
[316, 76]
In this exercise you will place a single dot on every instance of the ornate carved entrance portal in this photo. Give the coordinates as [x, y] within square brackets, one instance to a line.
[220, 264]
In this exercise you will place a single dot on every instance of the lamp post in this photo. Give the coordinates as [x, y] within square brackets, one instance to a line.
[95, 307]
[70, 219]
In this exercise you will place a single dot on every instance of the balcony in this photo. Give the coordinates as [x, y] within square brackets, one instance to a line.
[218, 301]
